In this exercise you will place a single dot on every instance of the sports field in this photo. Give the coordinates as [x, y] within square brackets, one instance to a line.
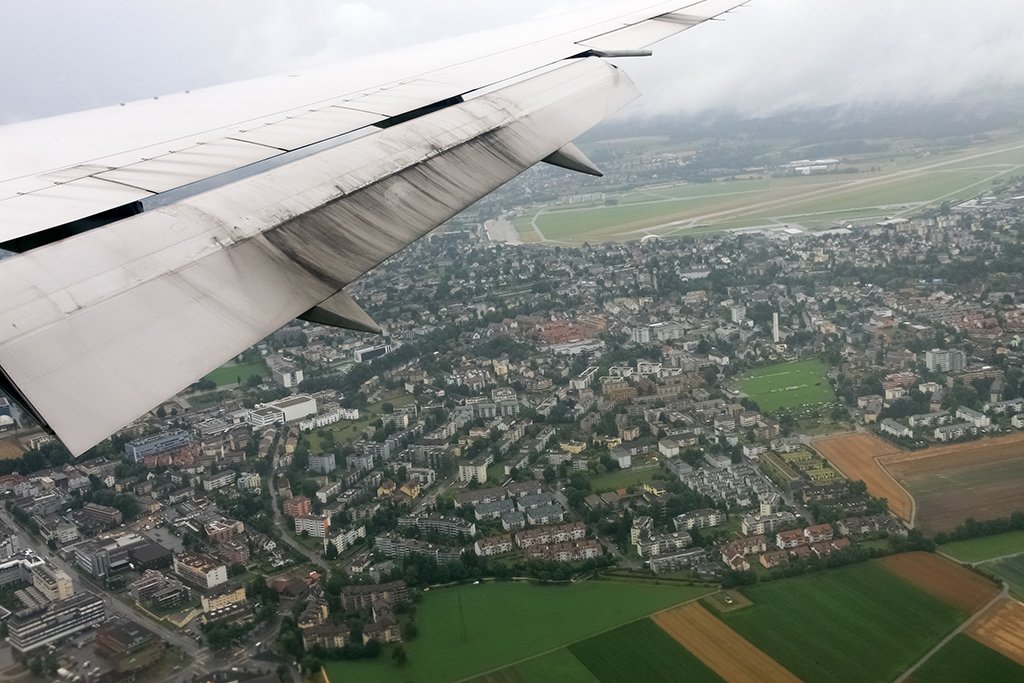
[641, 651]
[901, 186]
[986, 548]
[230, 374]
[788, 385]
[10, 449]
[506, 623]
[965, 660]
[872, 624]
[857, 457]
[620, 479]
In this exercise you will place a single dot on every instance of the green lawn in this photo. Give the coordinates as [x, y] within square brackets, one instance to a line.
[987, 548]
[1010, 570]
[788, 385]
[620, 479]
[641, 651]
[965, 660]
[858, 624]
[559, 666]
[506, 623]
[229, 374]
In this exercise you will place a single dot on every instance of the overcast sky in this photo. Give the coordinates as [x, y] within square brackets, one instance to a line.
[66, 55]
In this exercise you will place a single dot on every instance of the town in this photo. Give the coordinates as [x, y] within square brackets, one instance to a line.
[647, 408]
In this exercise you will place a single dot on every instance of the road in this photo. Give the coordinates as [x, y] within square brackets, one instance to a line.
[279, 521]
[188, 645]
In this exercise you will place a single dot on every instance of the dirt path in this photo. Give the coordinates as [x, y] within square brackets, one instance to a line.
[1002, 629]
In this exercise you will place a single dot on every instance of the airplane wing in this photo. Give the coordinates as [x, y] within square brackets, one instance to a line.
[159, 239]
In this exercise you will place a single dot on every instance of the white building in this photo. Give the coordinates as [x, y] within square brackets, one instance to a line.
[979, 420]
[945, 360]
[895, 428]
[957, 431]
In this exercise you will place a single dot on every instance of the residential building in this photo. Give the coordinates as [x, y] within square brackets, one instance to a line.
[362, 597]
[156, 589]
[672, 562]
[493, 510]
[298, 506]
[322, 462]
[285, 373]
[453, 527]
[979, 420]
[766, 524]
[698, 519]
[222, 597]
[346, 538]
[734, 553]
[546, 535]
[660, 544]
[219, 480]
[315, 525]
[895, 429]
[100, 515]
[945, 360]
[201, 571]
[174, 440]
[494, 545]
[955, 431]
[546, 514]
[790, 539]
[818, 533]
[476, 469]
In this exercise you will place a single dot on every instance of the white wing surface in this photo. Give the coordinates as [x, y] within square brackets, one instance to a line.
[100, 324]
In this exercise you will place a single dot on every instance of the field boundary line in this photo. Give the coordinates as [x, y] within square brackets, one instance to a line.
[580, 640]
[975, 564]
[1004, 593]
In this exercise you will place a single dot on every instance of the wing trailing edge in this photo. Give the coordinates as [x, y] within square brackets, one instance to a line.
[103, 326]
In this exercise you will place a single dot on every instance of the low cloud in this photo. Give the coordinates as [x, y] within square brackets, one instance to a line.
[769, 57]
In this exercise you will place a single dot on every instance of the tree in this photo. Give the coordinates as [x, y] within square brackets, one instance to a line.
[398, 654]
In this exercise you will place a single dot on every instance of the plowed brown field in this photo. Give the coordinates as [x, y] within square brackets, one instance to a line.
[943, 579]
[981, 479]
[722, 649]
[856, 456]
[1002, 629]
[10, 449]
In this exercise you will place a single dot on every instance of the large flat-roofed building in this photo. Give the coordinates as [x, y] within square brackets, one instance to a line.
[202, 571]
[285, 373]
[38, 626]
[155, 445]
[52, 582]
[19, 566]
[128, 646]
[101, 515]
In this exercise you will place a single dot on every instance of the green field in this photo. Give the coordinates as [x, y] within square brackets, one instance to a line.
[620, 479]
[901, 185]
[987, 548]
[641, 651]
[506, 623]
[858, 624]
[788, 385]
[1010, 570]
[559, 666]
[965, 660]
[229, 374]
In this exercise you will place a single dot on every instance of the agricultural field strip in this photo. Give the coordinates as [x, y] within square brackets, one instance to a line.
[945, 580]
[959, 629]
[1002, 629]
[965, 660]
[566, 645]
[976, 551]
[726, 652]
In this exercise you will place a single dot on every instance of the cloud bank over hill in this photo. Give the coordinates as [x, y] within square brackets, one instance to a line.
[770, 57]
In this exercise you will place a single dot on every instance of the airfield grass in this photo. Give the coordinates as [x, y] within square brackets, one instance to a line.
[771, 386]
[872, 624]
[986, 548]
[965, 660]
[620, 479]
[1010, 570]
[506, 623]
[559, 666]
[229, 374]
[903, 184]
[641, 651]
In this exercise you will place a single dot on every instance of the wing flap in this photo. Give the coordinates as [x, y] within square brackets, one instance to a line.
[103, 326]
